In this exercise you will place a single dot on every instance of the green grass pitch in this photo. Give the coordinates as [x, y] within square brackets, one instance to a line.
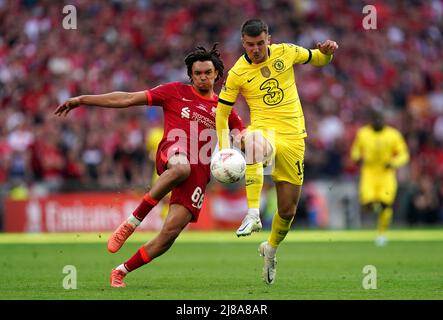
[217, 265]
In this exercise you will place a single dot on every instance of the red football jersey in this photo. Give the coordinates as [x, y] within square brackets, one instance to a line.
[189, 121]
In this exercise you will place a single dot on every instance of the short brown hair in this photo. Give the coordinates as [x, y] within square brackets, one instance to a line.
[254, 27]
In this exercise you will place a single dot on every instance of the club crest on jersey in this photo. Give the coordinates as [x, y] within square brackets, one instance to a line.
[279, 65]
[185, 112]
[265, 72]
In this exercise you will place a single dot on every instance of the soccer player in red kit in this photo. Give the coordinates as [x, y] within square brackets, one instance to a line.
[183, 156]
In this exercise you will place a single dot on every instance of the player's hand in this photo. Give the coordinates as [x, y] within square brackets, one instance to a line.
[328, 47]
[68, 105]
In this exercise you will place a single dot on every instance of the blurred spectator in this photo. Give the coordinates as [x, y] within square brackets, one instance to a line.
[424, 206]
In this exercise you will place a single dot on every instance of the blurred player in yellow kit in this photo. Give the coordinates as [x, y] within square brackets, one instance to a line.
[381, 150]
[264, 75]
[153, 138]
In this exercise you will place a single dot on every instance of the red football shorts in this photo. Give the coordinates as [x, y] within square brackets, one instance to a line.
[190, 193]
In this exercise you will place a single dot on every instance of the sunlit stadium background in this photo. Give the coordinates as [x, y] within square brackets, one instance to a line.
[61, 178]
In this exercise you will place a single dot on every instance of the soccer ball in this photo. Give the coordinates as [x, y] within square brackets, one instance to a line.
[228, 166]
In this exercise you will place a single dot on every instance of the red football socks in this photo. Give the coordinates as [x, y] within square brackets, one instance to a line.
[139, 259]
[145, 207]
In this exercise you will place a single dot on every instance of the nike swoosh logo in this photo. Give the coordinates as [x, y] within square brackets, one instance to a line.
[269, 278]
[184, 99]
[251, 79]
[244, 227]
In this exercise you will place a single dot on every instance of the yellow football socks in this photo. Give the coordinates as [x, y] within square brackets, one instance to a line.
[254, 184]
[280, 228]
[384, 220]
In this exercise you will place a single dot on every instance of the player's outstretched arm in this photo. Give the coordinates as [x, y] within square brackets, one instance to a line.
[324, 52]
[117, 99]
[222, 125]
[401, 152]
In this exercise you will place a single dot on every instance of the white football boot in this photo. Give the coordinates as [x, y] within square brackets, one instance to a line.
[381, 241]
[250, 224]
[270, 262]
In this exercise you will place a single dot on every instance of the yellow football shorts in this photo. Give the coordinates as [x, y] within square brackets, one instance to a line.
[377, 187]
[287, 158]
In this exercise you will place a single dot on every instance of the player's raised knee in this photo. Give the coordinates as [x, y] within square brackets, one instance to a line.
[181, 171]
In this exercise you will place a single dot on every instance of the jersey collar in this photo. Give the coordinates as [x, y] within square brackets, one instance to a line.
[213, 98]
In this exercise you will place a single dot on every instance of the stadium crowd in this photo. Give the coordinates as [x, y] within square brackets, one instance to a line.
[132, 45]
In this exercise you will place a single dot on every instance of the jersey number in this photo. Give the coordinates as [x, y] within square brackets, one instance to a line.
[197, 198]
[300, 168]
[274, 94]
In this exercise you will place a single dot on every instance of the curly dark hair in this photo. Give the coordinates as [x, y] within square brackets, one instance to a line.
[201, 54]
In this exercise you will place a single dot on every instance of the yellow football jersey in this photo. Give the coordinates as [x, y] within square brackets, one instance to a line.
[270, 89]
[378, 148]
[153, 139]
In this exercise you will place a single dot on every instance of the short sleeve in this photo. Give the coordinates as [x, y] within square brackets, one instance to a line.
[298, 54]
[157, 96]
[230, 89]
[355, 148]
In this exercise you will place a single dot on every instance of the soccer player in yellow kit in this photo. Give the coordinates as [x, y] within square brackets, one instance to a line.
[264, 75]
[153, 139]
[381, 150]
